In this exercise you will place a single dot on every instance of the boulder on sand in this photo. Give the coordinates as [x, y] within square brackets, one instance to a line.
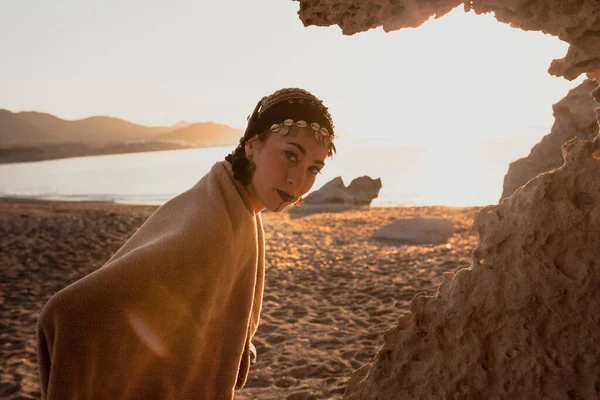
[418, 230]
[360, 192]
[334, 196]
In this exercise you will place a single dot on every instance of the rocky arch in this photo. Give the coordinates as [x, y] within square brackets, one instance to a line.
[523, 321]
[576, 22]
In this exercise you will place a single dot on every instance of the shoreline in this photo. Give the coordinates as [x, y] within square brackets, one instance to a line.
[317, 208]
[64, 151]
[330, 290]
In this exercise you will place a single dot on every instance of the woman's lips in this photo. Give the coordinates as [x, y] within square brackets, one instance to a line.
[285, 196]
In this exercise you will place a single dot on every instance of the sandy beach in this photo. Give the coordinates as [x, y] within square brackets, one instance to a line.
[330, 290]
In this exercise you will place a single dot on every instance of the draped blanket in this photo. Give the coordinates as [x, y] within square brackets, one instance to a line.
[172, 313]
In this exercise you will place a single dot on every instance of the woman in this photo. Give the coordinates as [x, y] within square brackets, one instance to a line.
[171, 315]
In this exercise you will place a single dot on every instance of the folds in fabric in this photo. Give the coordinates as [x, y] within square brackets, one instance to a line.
[171, 314]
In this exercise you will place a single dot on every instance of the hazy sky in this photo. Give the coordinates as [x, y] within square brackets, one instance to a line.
[461, 77]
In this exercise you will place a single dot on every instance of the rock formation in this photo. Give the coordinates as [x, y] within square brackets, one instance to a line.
[416, 230]
[522, 321]
[576, 22]
[360, 192]
[574, 117]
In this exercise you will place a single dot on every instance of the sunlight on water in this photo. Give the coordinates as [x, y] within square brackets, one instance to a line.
[448, 174]
[144, 178]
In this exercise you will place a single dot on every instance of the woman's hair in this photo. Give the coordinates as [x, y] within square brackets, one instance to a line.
[290, 103]
[242, 167]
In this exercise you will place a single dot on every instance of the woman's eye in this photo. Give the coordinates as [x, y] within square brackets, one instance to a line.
[315, 170]
[291, 156]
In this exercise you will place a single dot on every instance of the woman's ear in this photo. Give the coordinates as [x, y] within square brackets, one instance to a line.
[249, 149]
[250, 146]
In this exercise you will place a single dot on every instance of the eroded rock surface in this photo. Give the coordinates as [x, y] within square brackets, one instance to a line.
[574, 117]
[418, 230]
[576, 22]
[522, 321]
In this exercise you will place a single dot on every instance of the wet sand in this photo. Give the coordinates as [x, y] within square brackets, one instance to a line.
[330, 291]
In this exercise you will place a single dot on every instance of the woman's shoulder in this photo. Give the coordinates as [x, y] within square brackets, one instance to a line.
[215, 207]
[208, 215]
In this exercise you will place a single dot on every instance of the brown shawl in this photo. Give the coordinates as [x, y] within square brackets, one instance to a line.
[172, 313]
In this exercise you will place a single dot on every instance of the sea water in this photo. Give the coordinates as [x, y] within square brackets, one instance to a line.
[442, 174]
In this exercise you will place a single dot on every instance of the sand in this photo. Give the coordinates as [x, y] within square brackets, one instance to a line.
[330, 291]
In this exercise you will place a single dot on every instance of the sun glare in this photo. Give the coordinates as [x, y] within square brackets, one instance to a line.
[440, 82]
[456, 175]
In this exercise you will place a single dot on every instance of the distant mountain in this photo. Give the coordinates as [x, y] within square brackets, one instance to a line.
[14, 130]
[180, 124]
[204, 134]
[32, 136]
[34, 128]
[93, 130]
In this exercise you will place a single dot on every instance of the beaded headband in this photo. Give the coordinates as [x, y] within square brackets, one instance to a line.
[289, 108]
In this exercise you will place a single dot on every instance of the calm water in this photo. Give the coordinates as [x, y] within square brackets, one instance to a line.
[442, 174]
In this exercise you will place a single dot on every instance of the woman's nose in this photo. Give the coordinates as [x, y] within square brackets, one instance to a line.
[296, 178]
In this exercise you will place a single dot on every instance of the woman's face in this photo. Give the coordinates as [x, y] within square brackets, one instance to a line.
[286, 168]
